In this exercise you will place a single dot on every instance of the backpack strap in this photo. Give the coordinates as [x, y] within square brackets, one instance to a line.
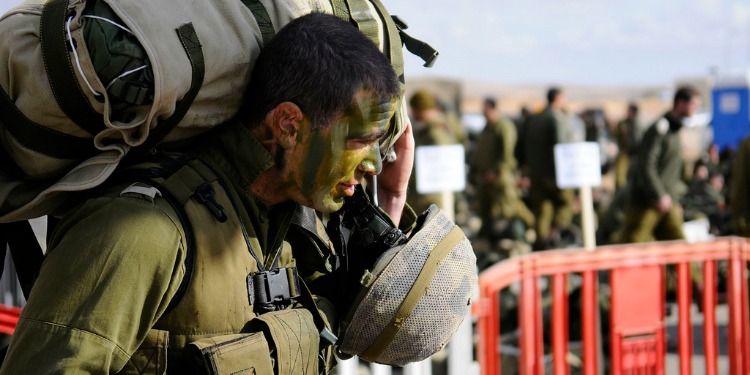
[62, 77]
[76, 105]
[262, 18]
[414, 45]
[40, 138]
[192, 45]
[340, 9]
[187, 227]
[393, 41]
[157, 176]
[25, 250]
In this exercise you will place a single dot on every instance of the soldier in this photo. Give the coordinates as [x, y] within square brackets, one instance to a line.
[493, 169]
[123, 291]
[738, 190]
[626, 138]
[430, 129]
[552, 207]
[654, 211]
[454, 122]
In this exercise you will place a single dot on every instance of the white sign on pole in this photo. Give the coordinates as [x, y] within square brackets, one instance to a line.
[440, 168]
[577, 165]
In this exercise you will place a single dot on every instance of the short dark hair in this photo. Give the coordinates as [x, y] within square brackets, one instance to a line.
[490, 102]
[684, 94]
[633, 107]
[552, 94]
[319, 62]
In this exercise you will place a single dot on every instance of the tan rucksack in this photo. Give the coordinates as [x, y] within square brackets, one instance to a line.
[64, 130]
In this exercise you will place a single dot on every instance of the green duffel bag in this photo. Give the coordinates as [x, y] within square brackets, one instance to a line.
[86, 82]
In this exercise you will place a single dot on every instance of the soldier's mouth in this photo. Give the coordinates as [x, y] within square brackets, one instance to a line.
[347, 189]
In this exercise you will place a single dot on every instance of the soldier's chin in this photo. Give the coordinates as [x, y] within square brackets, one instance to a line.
[329, 204]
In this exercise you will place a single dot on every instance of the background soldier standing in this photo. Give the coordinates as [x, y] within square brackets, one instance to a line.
[654, 212]
[626, 137]
[494, 172]
[430, 129]
[553, 207]
[739, 190]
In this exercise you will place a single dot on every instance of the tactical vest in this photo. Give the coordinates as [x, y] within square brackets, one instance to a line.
[213, 320]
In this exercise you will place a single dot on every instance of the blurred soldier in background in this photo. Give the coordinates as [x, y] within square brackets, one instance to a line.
[626, 137]
[552, 207]
[430, 129]
[654, 212]
[704, 198]
[454, 123]
[521, 122]
[740, 189]
[493, 170]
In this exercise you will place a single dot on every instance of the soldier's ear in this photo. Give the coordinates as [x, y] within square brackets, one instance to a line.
[287, 119]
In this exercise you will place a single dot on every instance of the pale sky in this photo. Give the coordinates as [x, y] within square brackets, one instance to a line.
[600, 42]
[580, 41]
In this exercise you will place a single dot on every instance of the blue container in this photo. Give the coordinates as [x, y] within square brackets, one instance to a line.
[731, 112]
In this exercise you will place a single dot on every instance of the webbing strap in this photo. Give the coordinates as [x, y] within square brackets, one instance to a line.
[340, 9]
[40, 138]
[393, 41]
[361, 16]
[192, 45]
[308, 302]
[262, 18]
[420, 48]
[190, 250]
[412, 298]
[60, 73]
[25, 250]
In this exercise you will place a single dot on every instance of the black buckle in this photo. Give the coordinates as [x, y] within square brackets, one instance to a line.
[274, 289]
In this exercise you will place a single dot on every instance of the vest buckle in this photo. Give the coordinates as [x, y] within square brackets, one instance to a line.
[274, 289]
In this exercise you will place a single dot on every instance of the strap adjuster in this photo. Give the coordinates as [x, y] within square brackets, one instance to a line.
[274, 289]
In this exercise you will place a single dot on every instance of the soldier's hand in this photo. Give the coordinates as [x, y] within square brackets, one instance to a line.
[664, 203]
[393, 181]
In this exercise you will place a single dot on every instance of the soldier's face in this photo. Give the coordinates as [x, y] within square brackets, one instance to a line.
[690, 107]
[333, 160]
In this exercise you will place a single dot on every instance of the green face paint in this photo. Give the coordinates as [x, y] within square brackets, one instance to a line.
[335, 159]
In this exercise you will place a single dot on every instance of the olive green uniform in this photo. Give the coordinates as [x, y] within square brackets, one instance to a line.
[456, 128]
[494, 157]
[430, 133]
[658, 172]
[550, 205]
[116, 261]
[625, 136]
[739, 190]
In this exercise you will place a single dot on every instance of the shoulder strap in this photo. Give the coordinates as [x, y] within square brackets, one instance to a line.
[187, 227]
[192, 45]
[154, 176]
[414, 45]
[262, 18]
[62, 78]
[25, 250]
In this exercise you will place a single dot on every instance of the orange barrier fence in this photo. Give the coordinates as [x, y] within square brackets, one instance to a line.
[637, 306]
[8, 319]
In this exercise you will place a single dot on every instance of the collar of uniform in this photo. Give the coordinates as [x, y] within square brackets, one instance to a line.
[674, 124]
[240, 154]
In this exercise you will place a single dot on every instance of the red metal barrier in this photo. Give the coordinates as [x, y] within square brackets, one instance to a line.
[8, 319]
[637, 346]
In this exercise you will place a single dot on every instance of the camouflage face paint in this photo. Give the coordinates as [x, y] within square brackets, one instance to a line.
[335, 159]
